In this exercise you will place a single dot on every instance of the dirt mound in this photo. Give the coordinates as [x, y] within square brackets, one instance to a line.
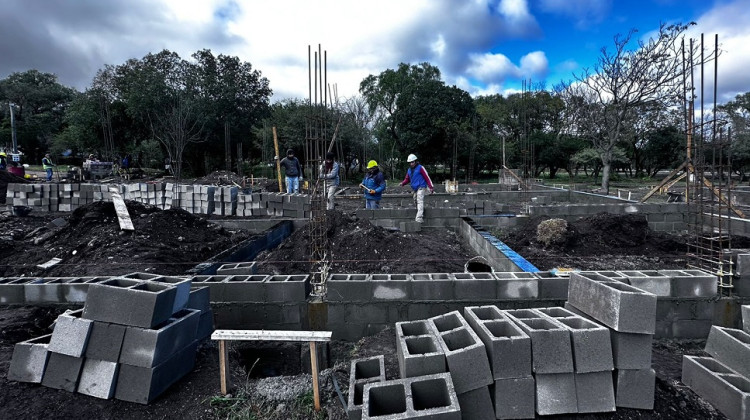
[359, 247]
[219, 178]
[91, 243]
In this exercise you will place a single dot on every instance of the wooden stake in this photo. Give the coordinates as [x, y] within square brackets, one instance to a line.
[278, 159]
[223, 368]
[314, 368]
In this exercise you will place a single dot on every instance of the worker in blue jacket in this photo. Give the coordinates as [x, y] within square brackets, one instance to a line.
[373, 185]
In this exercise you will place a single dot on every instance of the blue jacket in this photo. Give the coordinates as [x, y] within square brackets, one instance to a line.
[374, 182]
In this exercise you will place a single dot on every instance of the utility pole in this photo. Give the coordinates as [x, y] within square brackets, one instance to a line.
[13, 128]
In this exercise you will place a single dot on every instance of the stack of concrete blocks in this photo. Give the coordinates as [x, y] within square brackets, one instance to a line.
[724, 378]
[131, 341]
[250, 205]
[467, 362]
[592, 360]
[226, 201]
[363, 371]
[741, 281]
[509, 353]
[630, 314]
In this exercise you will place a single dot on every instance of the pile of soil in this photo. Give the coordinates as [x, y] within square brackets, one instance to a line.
[357, 246]
[602, 241]
[219, 178]
[91, 243]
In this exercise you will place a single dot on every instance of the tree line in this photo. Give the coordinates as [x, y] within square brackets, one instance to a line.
[208, 112]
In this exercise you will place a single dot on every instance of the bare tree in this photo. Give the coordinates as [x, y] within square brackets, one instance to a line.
[623, 81]
[176, 126]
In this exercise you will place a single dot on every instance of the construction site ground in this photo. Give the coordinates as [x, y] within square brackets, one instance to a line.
[172, 241]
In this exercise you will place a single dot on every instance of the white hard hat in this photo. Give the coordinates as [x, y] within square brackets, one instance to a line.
[412, 157]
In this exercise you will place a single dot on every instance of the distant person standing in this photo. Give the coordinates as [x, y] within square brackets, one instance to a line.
[47, 165]
[125, 166]
[420, 181]
[330, 172]
[373, 185]
[292, 170]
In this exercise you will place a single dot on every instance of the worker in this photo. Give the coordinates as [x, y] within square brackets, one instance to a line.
[420, 181]
[3, 161]
[293, 172]
[373, 185]
[330, 172]
[47, 165]
[92, 158]
[125, 164]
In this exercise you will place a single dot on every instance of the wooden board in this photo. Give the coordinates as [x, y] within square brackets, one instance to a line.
[123, 217]
[271, 335]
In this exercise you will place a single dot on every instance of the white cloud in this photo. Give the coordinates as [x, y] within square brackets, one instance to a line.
[496, 68]
[534, 64]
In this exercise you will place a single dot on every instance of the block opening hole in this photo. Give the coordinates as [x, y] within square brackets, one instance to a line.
[386, 400]
[432, 393]
[421, 345]
[486, 313]
[366, 369]
[459, 339]
[414, 328]
[447, 322]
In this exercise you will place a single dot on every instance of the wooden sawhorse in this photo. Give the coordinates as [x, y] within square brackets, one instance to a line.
[313, 337]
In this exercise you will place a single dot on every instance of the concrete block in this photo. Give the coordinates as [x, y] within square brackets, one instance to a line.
[12, 290]
[718, 384]
[425, 397]
[182, 284]
[510, 286]
[409, 226]
[555, 393]
[71, 334]
[508, 347]
[746, 318]
[465, 353]
[692, 283]
[142, 385]
[105, 341]
[391, 286]
[731, 347]
[349, 288]
[62, 372]
[691, 328]
[617, 305]
[432, 286]
[420, 355]
[551, 350]
[130, 302]
[635, 388]
[150, 347]
[551, 286]
[650, 281]
[98, 378]
[287, 288]
[75, 290]
[592, 347]
[477, 404]
[29, 360]
[243, 268]
[363, 371]
[200, 299]
[475, 286]
[595, 392]
[514, 398]
[44, 291]
[239, 288]
[205, 325]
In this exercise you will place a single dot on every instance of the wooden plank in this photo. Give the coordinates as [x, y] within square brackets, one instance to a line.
[271, 335]
[278, 159]
[223, 367]
[314, 368]
[123, 217]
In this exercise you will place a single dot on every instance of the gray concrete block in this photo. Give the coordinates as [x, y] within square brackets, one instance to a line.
[717, 384]
[362, 371]
[592, 346]
[511, 286]
[635, 388]
[551, 286]
[514, 398]
[465, 353]
[420, 356]
[508, 347]
[151, 347]
[692, 283]
[239, 288]
[476, 404]
[29, 360]
[731, 347]
[12, 290]
[746, 318]
[617, 305]
[130, 302]
[142, 385]
[105, 341]
[286, 288]
[551, 350]
[391, 286]
[409, 226]
[432, 286]
[595, 392]
[98, 378]
[475, 286]
[425, 397]
[650, 281]
[44, 291]
[75, 290]
[71, 334]
[348, 288]
[555, 393]
[691, 328]
[200, 299]
[182, 294]
[243, 268]
[205, 325]
[62, 372]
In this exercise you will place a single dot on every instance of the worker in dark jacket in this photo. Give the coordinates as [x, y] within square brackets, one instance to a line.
[292, 170]
[373, 185]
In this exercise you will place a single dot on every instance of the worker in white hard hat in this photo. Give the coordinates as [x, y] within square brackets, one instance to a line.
[420, 181]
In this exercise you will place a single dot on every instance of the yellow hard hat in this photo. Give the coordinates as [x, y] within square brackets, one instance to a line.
[3, 154]
[371, 164]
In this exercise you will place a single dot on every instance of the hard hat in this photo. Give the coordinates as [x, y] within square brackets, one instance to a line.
[412, 157]
[371, 164]
[2, 154]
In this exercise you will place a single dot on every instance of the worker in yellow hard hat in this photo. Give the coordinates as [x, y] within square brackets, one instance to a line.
[3, 161]
[373, 185]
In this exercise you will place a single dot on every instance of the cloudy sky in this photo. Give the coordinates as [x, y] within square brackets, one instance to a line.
[481, 46]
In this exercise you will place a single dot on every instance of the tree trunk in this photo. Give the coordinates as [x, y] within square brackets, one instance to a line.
[606, 170]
